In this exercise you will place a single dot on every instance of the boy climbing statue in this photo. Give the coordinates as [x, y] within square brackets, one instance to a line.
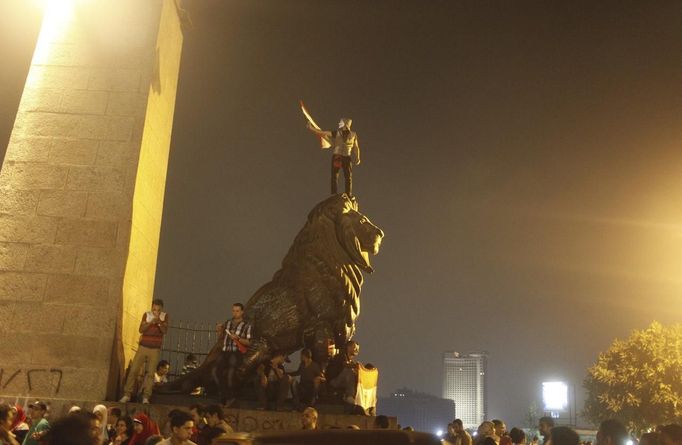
[344, 144]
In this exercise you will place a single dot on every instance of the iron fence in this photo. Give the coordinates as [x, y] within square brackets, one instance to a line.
[184, 338]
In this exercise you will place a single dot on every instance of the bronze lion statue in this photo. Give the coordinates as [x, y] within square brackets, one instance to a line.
[313, 300]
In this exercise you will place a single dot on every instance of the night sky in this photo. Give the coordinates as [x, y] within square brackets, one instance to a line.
[523, 159]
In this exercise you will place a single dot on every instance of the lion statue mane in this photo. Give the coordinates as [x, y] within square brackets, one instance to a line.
[314, 299]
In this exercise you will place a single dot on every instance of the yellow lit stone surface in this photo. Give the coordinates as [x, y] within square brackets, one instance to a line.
[150, 181]
[62, 203]
[73, 151]
[81, 193]
[12, 256]
[19, 202]
[51, 258]
[22, 286]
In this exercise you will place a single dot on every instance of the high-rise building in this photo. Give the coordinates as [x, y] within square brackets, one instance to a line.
[464, 382]
[423, 412]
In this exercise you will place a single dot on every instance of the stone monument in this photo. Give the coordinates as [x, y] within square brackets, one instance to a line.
[81, 195]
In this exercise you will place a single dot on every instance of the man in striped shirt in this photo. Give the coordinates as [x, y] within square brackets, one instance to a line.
[236, 337]
[153, 326]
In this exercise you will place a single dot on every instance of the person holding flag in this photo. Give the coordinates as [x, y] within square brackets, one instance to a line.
[344, 144]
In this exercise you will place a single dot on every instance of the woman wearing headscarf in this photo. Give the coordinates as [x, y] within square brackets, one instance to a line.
[101, 412]
[19, 425]
[144, 427]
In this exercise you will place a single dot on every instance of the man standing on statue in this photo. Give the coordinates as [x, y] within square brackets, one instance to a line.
[153, 326]
[235, 338]
[344, 143]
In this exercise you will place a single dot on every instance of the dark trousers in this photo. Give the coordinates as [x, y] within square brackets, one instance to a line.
[342, 162]
[225, 374]
[275, 390]
[347, 382]
[305, 394]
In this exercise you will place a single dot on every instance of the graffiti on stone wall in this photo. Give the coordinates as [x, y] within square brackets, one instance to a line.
[26, 379]
[247, 422]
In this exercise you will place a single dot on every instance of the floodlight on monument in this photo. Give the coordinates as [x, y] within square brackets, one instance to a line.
[57, 18]
[555, 396]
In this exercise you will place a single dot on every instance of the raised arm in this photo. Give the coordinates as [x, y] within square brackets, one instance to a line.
[321, 133]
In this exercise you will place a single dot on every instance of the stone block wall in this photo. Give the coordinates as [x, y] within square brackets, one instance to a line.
[91, 134]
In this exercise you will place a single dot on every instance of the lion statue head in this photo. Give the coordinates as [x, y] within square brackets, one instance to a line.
[337, 233]
[354, 232]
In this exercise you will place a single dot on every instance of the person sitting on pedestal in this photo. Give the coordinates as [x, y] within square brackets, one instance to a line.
[272, 382]
[310, 377]
[192, 363]
[161, 374]
[342, 372]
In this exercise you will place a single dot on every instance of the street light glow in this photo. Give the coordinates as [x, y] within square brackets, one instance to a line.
[555, 396]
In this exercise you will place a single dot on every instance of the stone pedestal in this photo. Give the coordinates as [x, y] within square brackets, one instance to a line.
[81, 195]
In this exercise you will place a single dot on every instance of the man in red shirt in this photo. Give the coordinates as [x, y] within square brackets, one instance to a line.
[153, 326]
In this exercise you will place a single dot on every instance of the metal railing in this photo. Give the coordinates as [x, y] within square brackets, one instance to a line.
[184, 338]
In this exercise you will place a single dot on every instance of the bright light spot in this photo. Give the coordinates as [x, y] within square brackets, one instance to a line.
[475, 433]
[57, 19]
[629, 442]
[555, 396]
[440, 433]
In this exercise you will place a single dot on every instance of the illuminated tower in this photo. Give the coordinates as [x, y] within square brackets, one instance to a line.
[464, 382]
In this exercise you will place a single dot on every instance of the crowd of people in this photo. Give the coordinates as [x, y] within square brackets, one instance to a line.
[197, 425]
[611, 432]
[272, 383]
[108, 426]
[202, 425]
